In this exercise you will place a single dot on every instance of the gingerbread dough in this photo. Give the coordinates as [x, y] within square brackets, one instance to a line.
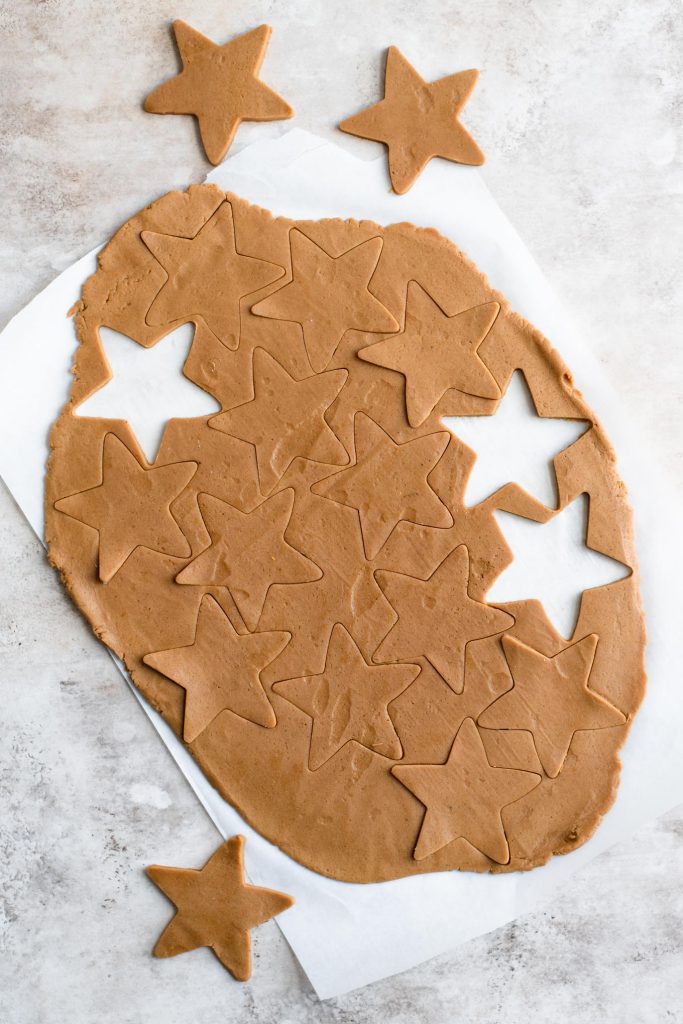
[297, 583]
[220, 86]
[216, 908]
[417, 120]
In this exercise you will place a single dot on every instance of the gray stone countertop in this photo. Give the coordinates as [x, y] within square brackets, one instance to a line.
[579, 109]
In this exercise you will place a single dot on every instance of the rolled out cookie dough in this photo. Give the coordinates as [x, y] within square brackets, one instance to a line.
[301, 592]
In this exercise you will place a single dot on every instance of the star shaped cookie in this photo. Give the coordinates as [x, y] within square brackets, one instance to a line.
[285, 419]
[248, 552]
[216, 908]
[328, 296]
[435, 353]
[437, 617]
[464, 797]
[417, 120]
[550, 699]
[220, 670]
[131, 507]
[207, 277]
[348, 701]
[404, 493]
[220, 86]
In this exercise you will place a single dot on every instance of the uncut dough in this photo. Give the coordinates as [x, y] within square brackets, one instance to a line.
[287, 428]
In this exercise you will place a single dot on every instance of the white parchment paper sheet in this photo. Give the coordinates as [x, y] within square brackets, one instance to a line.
[346, 935]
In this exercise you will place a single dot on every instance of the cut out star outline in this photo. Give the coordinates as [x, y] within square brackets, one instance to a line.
[215, 907]
[417, 120]
[405, 494]
[550, 698]
[130, 508]
[248, 552]
[219, 85]
[348, 701]
[220, 670]
[147, 387]
[328, 295]
[206, 276]
[436, 352]
[285, 419]
[464, 797]
[437, 618]
[560, 543]
[504, 442]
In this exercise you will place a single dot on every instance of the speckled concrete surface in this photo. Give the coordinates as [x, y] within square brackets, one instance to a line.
[579, 109]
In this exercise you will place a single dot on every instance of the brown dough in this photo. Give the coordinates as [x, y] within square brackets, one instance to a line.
[216, 908]
[333, 664]
[220, 86]
[417, 120]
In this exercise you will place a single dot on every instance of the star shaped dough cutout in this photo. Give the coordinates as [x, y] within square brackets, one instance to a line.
[220, 670]
[404, 493]
[348, 701]
[550, 699]
[248, 552]
[147, 386]
[437, 618]
[436, 352]
[464, 797]
[514, 445]
[328, 296]
[220, 86]
[286, 419]
[417, 120]
[215, 907]
[130, 508]
[207, 277]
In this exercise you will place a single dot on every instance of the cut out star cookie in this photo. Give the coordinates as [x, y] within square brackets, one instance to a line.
[131, 507]
[515, 445]
[417, 120]
[286, 419]
[220, 670]
[550, 699]
[220, 86]
[437, 617]
[215, 907]
[329, 296]
[464, 797]
[248, 553]
[348, 701]
[404, 493]
[207, 277]
[435, 353]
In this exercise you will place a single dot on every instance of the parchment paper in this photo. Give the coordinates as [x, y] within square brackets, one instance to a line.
[346, 935]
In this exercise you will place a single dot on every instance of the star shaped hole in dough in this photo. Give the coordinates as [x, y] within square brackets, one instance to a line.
[220, 86]
[552, 563]
[207, 277]
[348, 701]
[437, 618]
[285, 419]
[550, 699]
[514, 445]
[147, 387]
[403, 493]
[464, 797]
[436, 352]
[417, 120]
[216, 908]
[248, 553]
[328, 296]
[131, 507]
[220, 670]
